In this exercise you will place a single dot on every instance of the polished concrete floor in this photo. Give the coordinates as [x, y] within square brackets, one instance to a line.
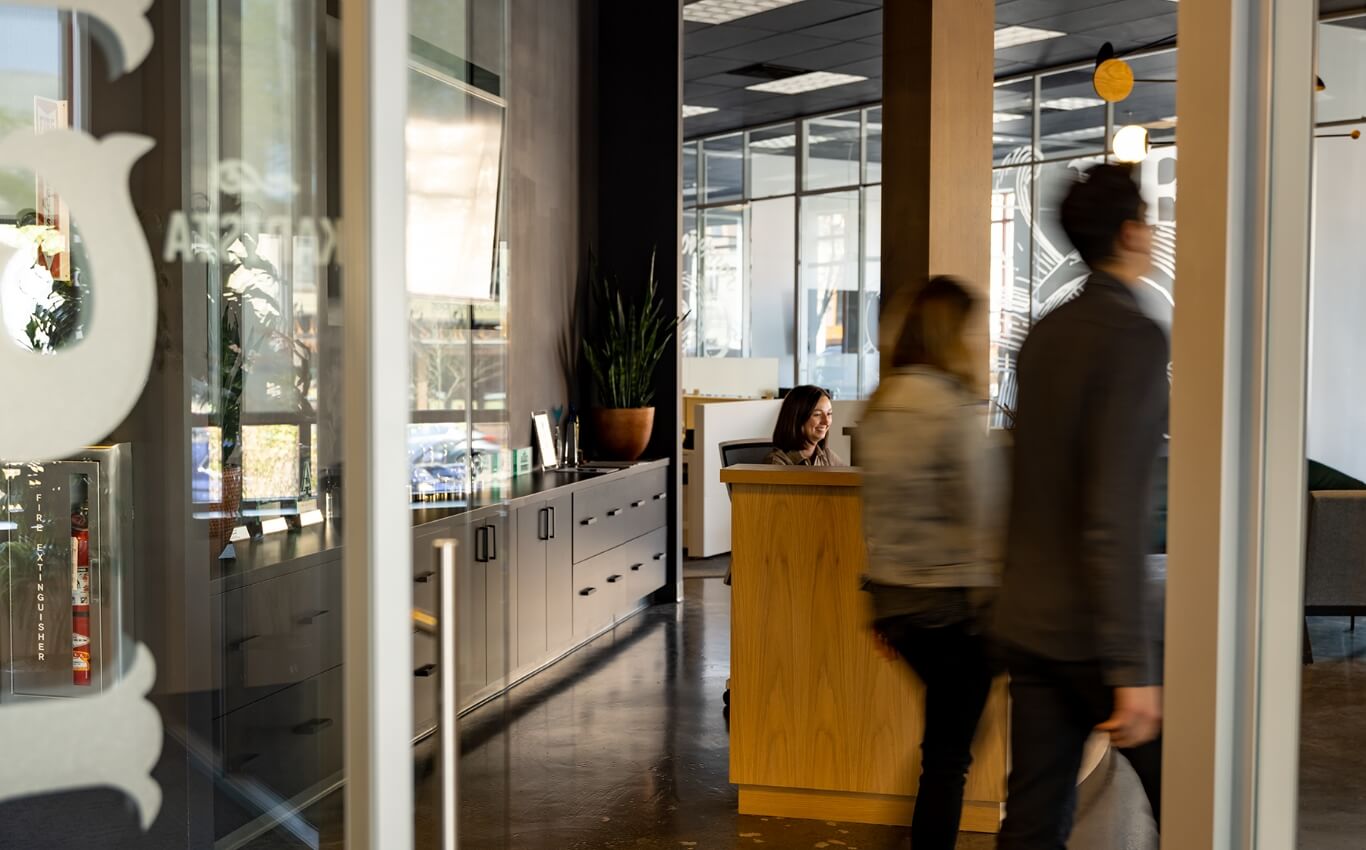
[1333, 738]
[624, 745]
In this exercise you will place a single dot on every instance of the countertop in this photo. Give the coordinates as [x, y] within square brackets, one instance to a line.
[289, 551]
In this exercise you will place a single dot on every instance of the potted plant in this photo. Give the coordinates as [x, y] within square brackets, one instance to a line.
[627, 342]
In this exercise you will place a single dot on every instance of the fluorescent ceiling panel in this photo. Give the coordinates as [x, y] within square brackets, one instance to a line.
[691, 111]
[806, 82]
[1003, 117]
[1015, 36]
[1071, 103]
[721, 11]
[1072, 135]
[790, 141]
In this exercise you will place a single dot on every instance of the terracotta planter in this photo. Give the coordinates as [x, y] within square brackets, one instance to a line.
[621, 433]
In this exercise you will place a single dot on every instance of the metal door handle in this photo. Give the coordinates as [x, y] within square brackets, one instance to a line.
[491, 553]
[639, 503]
[481, 544]
[614, 512]
[447, 693]
[588, 591]
[660, 496]
[425, 671]
[552, 522]
[424, 577]
[635, 568]
[543, 524]
[613, 579]
[659, 557]
[592, 520]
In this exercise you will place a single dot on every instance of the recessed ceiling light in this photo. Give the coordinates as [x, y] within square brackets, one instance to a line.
[691, 111]
[806, 82]
[1003, 117]
[1071, 103]
[721, 11]
[789, 141]
[1015, 36]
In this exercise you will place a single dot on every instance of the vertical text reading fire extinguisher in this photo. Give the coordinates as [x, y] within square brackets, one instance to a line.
[80, 599]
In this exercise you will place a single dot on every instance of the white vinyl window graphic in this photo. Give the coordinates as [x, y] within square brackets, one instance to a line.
[111, 363]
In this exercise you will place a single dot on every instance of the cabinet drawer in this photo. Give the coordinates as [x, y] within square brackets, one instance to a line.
[279, 741]
[279, 632]
[614, 512]
[426, 677]
[648, 567]
[599, 591]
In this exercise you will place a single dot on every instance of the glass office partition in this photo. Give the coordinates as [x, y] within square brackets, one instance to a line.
[833, 151]
[829, 308]
[772, 274]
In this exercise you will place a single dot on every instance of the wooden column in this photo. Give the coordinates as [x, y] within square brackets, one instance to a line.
[936, 166]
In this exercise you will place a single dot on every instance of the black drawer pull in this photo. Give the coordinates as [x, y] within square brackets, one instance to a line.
[658, 497]
[588, 591]
[237, 644]
[592, 520]
[613, 579]
[424, 577]
[614, 512]
[425, 671]
[635, 568]
[552, 521]
[242, 761]
[307, 619]
[659, 557]
[639, 503]
[312, 727]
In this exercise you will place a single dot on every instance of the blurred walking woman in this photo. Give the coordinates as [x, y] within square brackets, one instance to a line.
[799, 438]
[922, 448]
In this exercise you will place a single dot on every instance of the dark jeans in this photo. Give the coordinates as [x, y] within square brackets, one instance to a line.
[1054, 706]
[957, 672]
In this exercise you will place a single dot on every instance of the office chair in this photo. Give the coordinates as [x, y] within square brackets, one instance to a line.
[745, 451]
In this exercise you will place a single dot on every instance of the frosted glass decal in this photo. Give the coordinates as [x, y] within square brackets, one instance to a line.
[41, 764]
[126, 19]
[112, 362]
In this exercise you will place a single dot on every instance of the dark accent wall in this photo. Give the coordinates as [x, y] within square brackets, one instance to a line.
[633, 180]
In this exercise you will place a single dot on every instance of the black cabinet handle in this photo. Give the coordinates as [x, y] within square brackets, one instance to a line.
[658, 497]
[543, 524]
[639, 503]
[312, 727]
[588, 591]
[659, 557]
[613, 579]
[307, 619]
[552, 521]
[592, 520]
[481, 544]
[614, 512]
[635, 568]
[237, 644]
[424, 577]
[242, 761]
[493, 535]
[425, 671]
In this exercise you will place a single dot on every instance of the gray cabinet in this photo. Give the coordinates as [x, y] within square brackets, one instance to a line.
[544, 580]
[493, 553]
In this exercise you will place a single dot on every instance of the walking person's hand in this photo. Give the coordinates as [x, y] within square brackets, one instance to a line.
[1137, 718]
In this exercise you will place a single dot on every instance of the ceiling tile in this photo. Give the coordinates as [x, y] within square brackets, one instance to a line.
[836, 55]
[698, 67]
[798, 16]
[717, 38]
[851, 27]
[773, 47]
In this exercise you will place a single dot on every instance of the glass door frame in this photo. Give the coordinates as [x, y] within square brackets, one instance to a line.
[1240, 341]
[378, 553]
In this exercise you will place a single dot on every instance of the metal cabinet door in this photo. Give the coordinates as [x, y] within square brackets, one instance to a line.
[533, 533]
[559, 575]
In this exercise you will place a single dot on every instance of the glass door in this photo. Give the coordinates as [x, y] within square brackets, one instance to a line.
[183, 504]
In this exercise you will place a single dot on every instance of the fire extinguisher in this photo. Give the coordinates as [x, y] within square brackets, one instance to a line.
[80, 601]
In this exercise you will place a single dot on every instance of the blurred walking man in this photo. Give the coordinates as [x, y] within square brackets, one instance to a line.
[1073, 621]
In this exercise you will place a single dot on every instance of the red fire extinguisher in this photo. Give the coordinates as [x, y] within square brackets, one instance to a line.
[80, 605]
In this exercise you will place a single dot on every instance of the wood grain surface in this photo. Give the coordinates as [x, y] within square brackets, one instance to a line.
[814, 707]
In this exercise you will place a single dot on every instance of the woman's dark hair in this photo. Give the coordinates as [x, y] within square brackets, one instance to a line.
[797, 407]
[932, 332]
[1097, 207]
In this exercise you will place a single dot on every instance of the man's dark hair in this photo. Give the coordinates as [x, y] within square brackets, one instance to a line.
[1096, 209]
[796, 409]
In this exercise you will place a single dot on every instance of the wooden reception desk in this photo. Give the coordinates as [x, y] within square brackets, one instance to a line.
[822, 726]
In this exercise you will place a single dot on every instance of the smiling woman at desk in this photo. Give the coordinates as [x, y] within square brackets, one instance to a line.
[822, 726]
